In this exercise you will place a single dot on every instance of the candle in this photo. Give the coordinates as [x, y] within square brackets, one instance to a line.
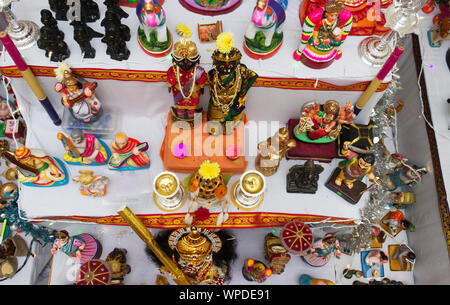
[29, 77]
[376, 82]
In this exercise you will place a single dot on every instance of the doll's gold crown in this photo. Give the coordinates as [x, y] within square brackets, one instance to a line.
[335, 6]
[185, 48]
[192, 241]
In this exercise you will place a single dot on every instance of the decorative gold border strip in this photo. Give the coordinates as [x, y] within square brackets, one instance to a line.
[439, 179]
[235, 220]
[160, 76]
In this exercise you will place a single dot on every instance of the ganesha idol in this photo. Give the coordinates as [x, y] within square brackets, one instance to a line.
[263, 37]
[37, 168]
[368, 17]
[324, 31]
[153, 35]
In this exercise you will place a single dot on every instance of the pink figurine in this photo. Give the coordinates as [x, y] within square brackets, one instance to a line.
[82, 248]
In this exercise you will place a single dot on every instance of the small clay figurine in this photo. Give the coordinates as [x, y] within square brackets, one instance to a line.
[91, 185]
[263, 37]
[306, 279]
[346, 114]
[84, 149]
[78, 97]
[83, 34]
[89, 11]
[272, 151]
[117, 260]
[405, 175]
[303, 178]
[276, 253]
[128, 154]
[324, 31]
[60, 8]
[207, 189]
[229, 82]
[320, 126]
[321, 250]
[115, 40]
[401, 199]
[81, 248]
[51, 39]
[114, 6]
[396, 222]
[346, 179]
[405, 256]
[254, 270]
[186, 79]
[37, 168]
[441, 28]
[153, 35]
[372, 263]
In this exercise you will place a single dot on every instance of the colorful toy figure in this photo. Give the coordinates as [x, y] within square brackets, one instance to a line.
[276, 253]
[84, 149]
[128, 154]
[78, 97]
[153, 35]
[229, 82]
[441, 28]
[207, 189]
[254, 270]
[321, 250]
[404, 256]
[356, 168]
[117, 260]
[368, 16]
[81, 248]
[346, 114]
[317, 125]
[324, 31]
[263, 37]
[401, 199]
[185, 78]
[36, 168]
[91, 185]
[306, 279]
[405, 175]
[372, 263]
[396, 222]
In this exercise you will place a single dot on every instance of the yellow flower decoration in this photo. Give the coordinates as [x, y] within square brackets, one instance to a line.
[209, 170]
[225, 42]
[184, 31]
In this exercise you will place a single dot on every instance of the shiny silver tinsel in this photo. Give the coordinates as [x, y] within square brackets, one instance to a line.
[377, 206]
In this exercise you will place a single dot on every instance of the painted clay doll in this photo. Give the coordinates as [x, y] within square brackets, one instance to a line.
[375, 259]
[441, 28]
[397, 222]
[254, 270]
[405, 256]
[185, 78]
[263, 37]
[37, 168]
[91, 185]
[78, 97]
[153, 36]
[81, 248]
[128, 154]
[324, 31]
[306, 279]
[321, 250]
[84, 149]
[229, 82]
[405, 175]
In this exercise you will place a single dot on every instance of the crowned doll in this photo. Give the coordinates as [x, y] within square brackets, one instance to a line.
[185, 78]
[324, 31]
[81, 248]
[229, 82]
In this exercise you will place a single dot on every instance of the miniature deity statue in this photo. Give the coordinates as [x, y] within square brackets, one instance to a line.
[128, 154]
[153, 35]
[272, 151]
[83, 34]
[117, 260]
[229, 82]
[346, 114]
[263, 37]
[116, 35]
[79, 97]
[324, 31]
[441, 28]
[83, 148]
[185, 78]
[51, 39]
[397, 222]
[374, 261]
[37, 168]
[304, 178]
[405, 256]
[276, 253]
[91, 185]
[405, 175]
[81, 248]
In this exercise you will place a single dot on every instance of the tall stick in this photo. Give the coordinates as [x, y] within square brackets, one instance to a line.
[131, 219]
[29, 77]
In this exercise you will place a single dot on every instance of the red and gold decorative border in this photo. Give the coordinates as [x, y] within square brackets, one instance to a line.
[235, 220]
[160, 76]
